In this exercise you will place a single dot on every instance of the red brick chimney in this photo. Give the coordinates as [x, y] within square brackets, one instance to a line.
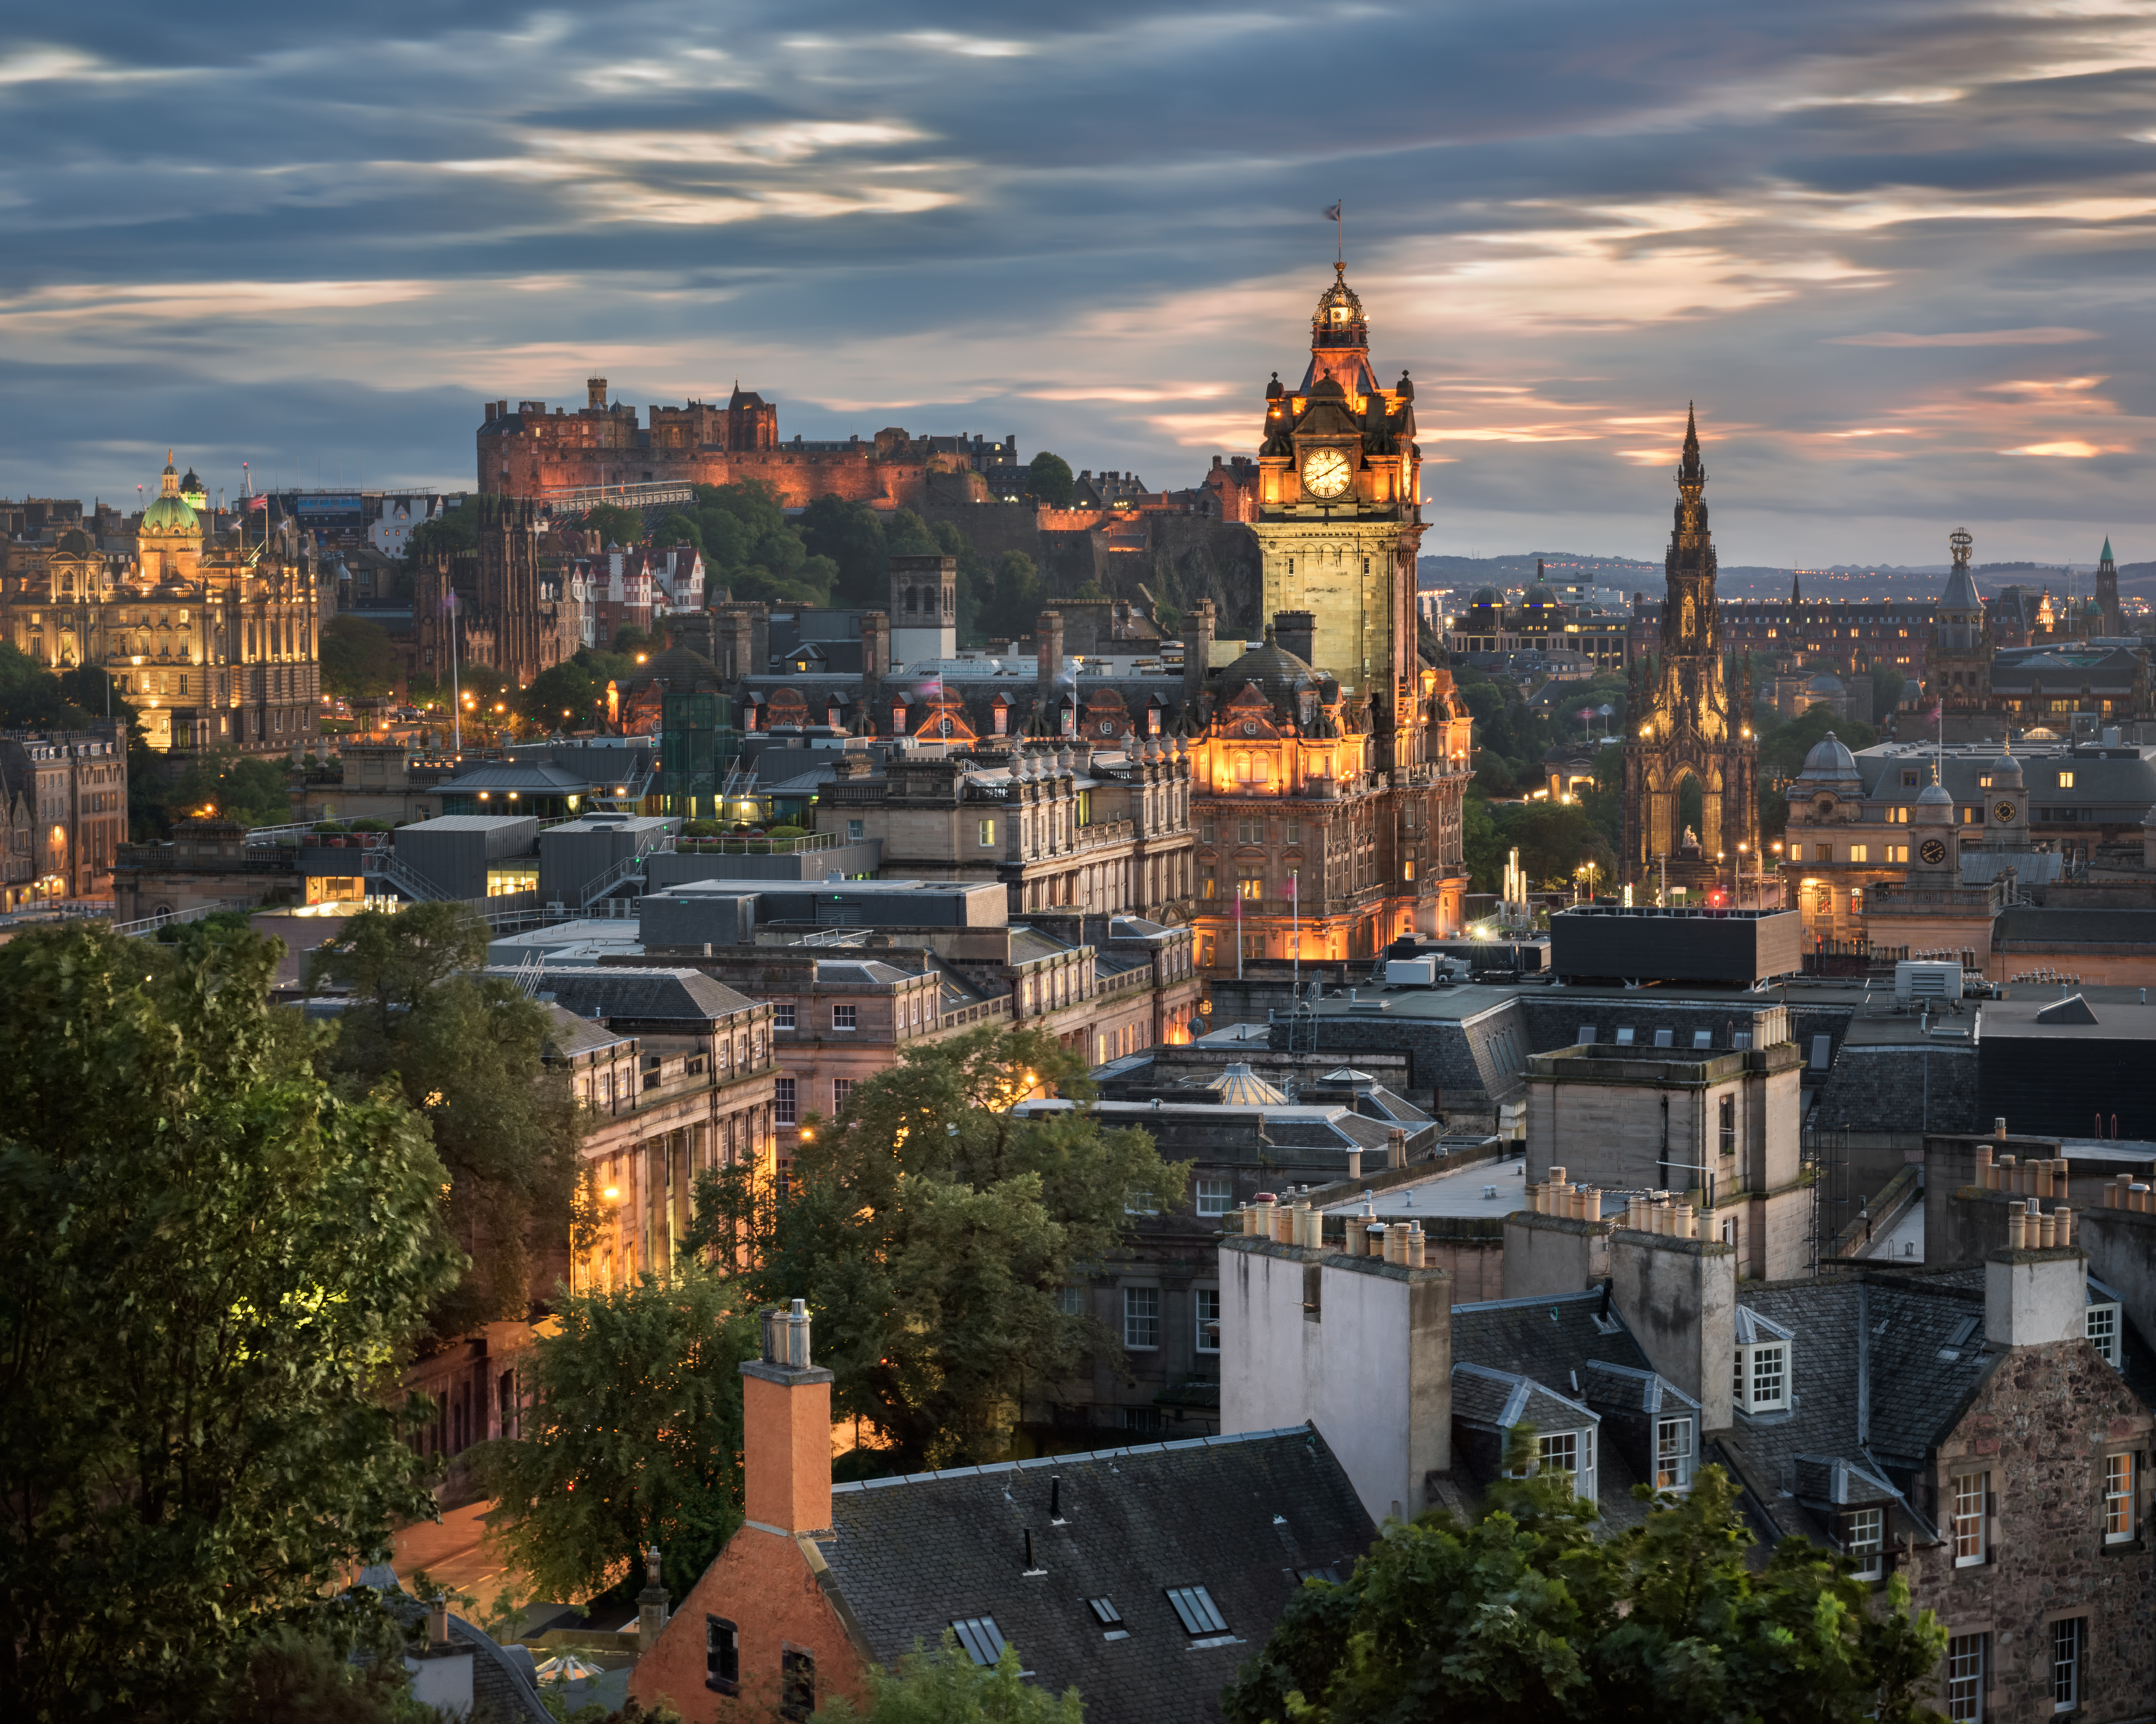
[786, 1430]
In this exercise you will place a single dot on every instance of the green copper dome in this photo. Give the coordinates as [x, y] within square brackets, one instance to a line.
[169, 513]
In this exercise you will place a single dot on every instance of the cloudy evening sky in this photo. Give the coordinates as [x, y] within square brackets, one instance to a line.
[1899, 253]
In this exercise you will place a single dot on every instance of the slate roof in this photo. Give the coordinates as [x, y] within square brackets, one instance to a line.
[2066, 927]
[569, 1036]
[868, 973]
[542, 776]
[681, 1001]
[1236, 1514]
[1577, 1350]
[1900, 1088]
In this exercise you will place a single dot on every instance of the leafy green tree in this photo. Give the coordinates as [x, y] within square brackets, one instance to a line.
[31, 697]
[569, 696]
[1525, 1615]
[945, 1686]
[850, 538]
[1019, 596]
[634, 1439]
[930, 1230]
[213, 1258]
[449, 532]
[754, 551]
[1554, 839]
[254, 791]
[358, 658]
[679, 529]
[1050, 479]
[466, 1051]
[606, 524]
[1478, 829]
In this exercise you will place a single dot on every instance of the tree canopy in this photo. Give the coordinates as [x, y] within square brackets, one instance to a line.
[572, 695]
[606, 524]
[930, 1230]
[1050, 479]
[213, 1258]
[358, 658]
[945, 1686]
[634, 1440]
[1525, 1616]
[466, 1051]
[454, 530]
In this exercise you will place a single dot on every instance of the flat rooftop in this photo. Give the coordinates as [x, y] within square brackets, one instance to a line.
[1491, 1188]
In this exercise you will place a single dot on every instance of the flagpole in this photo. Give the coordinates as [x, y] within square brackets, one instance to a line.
[1239, 930]
[1295, 922]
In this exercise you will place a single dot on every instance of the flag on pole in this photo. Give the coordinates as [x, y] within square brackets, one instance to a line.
[1332, 214]
[258, 502]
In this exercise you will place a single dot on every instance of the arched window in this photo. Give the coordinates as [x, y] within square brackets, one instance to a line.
[1242, 769]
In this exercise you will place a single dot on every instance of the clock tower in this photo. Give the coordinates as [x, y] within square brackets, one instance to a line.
[1339, 518]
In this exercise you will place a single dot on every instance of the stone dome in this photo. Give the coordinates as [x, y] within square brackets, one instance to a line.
[1826, 682]
[1934, 807]
[74, 542]
[1830, 757]
[2005, 768]
[1270, 664]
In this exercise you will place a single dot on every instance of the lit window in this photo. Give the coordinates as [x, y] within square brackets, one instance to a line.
[2066, 780]
[2117, 1499]
[2103, 1329]
[1866, 1542]
[845, 1017]
[1971, 1493]
[1212, 1194]
[1673, 1453]
[1142, 1318]
[988, 833]
[1860, 852]
[1205, 1308]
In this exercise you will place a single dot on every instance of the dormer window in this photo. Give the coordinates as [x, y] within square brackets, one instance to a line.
[2101, 1328]
[1763, 1378]
[1864, 1542]
[1572, 1453]
[1675, 1447]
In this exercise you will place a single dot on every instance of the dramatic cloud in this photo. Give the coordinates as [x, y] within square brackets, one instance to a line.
[1897, 254]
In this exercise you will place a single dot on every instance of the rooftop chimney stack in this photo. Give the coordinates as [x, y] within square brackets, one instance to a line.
[1678, 1296]
[786, 1429]
[1048, 648]
[2034, 1294]
[1196, 649]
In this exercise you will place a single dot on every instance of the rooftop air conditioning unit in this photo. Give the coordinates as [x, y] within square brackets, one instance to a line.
[1927, 979]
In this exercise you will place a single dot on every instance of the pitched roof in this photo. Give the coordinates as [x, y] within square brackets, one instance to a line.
[681, 998]
[1238, 1515]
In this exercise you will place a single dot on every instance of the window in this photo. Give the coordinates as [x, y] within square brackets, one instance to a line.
[1194, 1605]
[1665, 1038]
[1250, 882]
[987, 834]
[1569, 1452]
[782, 1014]
[1822, 852]
[1141, 1319]
[721, 1655]
[1970, 1490]
[2117, 1499]
[980, 1637]
[1624, 1036]
[854, 830]
[2066, 780]
[783, 1102]
[1213, 1194]
[1965, 1678]
[1205, 1308]
[1866, 1543]
[1586, 1035]
[1726, 1129]
[2103, 1329]
[797, 1683]
[1071, 1301]
[841, 1088]
[1250, 831]
[1673, 1453]
[2066, 1638]
[1762, 1376]
[845, 1017]
[1208, 885]
[1138, 1201]
[1860, 852]
[1110, 1619]
[1292, 832]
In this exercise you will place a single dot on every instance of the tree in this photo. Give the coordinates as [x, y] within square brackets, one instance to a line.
[567, 696]
[1017, 598]
[212, 1258]
[1524, 1615]
[254, 791]
[466, 1050]
[850, 537]
[610, 524]
[930, 1231]
[945, 1686]
[634, 1439]
[1048, 478]
[447, 533]
[358, 658]
[32, 697]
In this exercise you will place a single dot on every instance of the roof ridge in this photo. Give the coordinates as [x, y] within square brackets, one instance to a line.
[989, 1468]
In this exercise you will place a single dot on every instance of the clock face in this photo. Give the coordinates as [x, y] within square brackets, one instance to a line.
[1932, 851]
[1325, 473]
[2005, 811]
